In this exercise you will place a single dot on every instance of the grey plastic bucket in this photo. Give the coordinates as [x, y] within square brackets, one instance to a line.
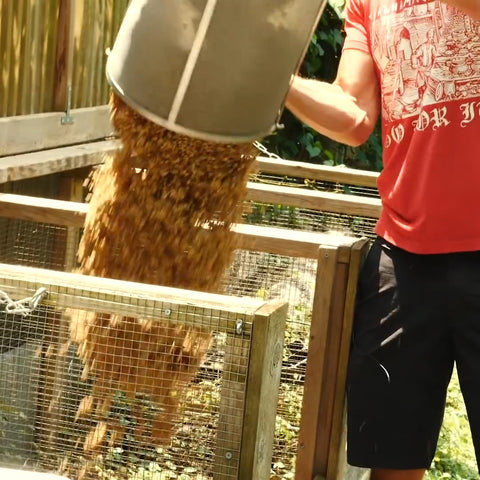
[213, 69]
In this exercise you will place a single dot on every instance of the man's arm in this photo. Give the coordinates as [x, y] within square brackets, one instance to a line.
[470, 7]
[348, 109]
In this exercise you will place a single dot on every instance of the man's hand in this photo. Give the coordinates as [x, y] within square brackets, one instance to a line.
[470, 7]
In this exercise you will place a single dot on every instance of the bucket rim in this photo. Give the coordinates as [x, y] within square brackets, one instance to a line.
[175, 127]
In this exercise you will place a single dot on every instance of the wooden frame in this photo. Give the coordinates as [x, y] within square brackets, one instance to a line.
[252, 359]
[28, 133]
[12, 474]
[339, 258]
[321, 443]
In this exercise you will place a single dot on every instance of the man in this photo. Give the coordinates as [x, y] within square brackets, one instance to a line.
[418, 311]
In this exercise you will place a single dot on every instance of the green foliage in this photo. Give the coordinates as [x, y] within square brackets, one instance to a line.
[455, 456]
[300, 142]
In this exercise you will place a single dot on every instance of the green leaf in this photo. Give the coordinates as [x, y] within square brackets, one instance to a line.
[338, 6]
[313, 150]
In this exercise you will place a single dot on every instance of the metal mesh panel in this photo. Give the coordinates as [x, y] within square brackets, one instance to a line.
[193, 452]
[287, 216]
[35, 244]
[269, 276]
[47, 422]
[38, 245]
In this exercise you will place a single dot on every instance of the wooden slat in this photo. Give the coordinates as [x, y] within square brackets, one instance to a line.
[43, 210]
[66, 243]
[308, 458]
[228, 442]
[281, 241]
[109, 293]
[343, 175]
[28, 133]
[264, 369]
[48, 162]
[14, 474]
[336, 457]
[322, 201]
[326, 406]
[290, 168]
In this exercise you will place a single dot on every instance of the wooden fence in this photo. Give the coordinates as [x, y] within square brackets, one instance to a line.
[53, 52]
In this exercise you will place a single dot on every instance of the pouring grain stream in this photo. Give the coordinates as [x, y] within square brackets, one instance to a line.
[167, 223]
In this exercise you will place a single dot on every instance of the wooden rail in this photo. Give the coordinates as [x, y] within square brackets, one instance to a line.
[252, 357]
[29, 133]
[315, 200]
[295, 243]
[342, 175]
[47, 162]
[87, 292]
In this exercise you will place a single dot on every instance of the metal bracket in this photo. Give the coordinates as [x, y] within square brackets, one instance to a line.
[68, 119]
[239, 327]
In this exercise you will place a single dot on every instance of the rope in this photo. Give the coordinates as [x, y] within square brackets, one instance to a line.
[23, 307]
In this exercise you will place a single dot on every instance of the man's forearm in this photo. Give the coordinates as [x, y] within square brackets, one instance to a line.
[327, 109]
[470, 7]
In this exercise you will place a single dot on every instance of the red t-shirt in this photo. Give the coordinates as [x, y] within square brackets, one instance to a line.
[427, 58]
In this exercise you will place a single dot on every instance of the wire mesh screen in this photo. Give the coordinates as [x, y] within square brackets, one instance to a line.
[102, 384]
[32, 243]
[38, 245]
[192, 452]
[287, 216]
[269, 276]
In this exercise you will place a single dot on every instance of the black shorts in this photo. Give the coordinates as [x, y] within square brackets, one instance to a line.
[416, 316]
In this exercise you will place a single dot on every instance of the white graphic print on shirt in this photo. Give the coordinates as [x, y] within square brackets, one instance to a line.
[429, 54]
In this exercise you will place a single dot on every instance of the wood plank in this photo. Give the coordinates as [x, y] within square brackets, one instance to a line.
[308, 458]
[343, 175]
[326, 405]
[315, 200]
[264, 369]
[48, 162]
[281, 241]
[290, 168]
[322, 201]
[228, 441]
[336, 457]
[66, 243]
[110, 291]
[42, 210]
[16, 474]
[28, 133]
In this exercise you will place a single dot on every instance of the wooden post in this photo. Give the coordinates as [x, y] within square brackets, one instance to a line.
[321, 443]
[232, 404]
[329, 381]
[265, 364]
[309, 459]
[66, 246]
[336, 457]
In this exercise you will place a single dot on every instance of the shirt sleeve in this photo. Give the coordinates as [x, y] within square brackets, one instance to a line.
[357, 37]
